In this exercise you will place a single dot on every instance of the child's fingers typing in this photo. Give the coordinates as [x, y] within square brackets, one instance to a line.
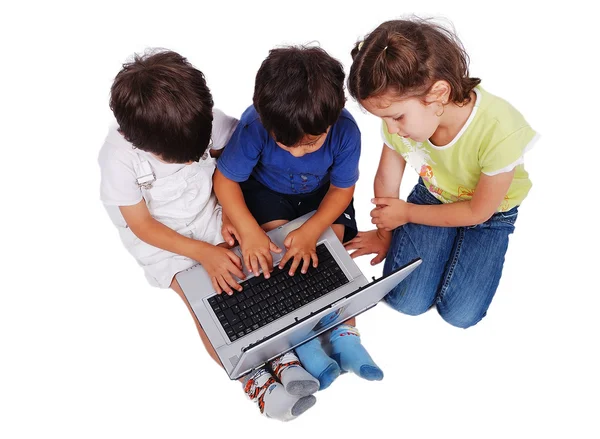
[252, 264]
[266, 261]
[215, 285]
[236, 268]
[295, 263]
[224, 285]
[227, 236]
[306, 257]
[285, 259]
[230, 281]
[273, 247]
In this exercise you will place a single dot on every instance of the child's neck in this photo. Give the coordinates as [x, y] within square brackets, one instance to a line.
[452, 121]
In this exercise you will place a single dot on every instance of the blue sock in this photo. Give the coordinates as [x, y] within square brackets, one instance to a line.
[318, 363]
[351, 355]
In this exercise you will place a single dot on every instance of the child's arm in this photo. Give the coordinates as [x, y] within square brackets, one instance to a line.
[219, 262]
[255, 243]
[387, 184]
[301, 243]
[489, 194]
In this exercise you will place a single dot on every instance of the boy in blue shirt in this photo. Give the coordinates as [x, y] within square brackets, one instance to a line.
[296, 150]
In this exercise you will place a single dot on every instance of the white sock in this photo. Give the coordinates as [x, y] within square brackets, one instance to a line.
[272, 399]
[296, 380]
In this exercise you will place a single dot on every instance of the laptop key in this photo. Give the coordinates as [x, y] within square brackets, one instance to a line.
[233, 319]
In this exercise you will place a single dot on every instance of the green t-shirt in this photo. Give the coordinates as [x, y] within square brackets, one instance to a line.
[493, 140]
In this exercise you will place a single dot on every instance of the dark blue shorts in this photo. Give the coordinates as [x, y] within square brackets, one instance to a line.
[267, 205]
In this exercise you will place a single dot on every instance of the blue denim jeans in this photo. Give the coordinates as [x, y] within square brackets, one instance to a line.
[461, 266]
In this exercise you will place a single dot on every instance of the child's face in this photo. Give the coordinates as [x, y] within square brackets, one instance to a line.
[306, 145]
[406, 117]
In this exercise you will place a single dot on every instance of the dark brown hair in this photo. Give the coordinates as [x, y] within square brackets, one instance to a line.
[406, 57]
[163, 105]
[298, 91]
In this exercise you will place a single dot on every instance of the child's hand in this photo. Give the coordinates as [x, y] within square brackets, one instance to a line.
[302, 247]
[389, 213]
[221, 263]
[256, 249]
[230, 234]
[374, 241]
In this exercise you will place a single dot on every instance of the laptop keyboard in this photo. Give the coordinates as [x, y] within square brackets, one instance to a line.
[263, 301]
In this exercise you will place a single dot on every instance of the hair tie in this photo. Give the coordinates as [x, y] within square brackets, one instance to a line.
[360, 45]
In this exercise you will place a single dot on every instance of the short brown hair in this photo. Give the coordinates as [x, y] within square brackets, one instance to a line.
[299, 91]
[407, 57]
[163, 105]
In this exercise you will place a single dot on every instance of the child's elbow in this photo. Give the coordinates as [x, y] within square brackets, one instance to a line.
[481, 216]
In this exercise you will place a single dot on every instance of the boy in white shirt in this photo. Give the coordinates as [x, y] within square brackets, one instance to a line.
[156, 184]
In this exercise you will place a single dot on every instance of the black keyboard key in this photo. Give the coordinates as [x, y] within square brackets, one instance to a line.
[233, 319]
[255, 280]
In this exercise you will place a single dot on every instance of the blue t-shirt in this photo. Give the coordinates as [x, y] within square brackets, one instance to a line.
[252, 151]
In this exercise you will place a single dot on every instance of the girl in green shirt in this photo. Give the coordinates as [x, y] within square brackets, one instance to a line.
[467, 146]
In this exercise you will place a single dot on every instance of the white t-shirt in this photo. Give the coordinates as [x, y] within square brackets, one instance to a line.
[118, 160]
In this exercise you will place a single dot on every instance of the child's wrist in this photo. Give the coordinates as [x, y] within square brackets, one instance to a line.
[312, 231]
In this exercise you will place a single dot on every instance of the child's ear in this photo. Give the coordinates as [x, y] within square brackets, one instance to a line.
[439, 92]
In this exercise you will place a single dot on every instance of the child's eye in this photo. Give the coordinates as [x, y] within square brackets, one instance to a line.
[399, 117]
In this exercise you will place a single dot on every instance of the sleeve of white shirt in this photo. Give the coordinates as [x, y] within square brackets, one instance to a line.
[118, 186]
[223, 128]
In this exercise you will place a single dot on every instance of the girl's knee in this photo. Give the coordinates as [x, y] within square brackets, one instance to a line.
[461, 318]
[411, 303]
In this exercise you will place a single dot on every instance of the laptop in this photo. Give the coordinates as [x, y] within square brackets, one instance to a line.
[272, 316]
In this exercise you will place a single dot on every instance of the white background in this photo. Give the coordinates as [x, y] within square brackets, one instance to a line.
[89, 350]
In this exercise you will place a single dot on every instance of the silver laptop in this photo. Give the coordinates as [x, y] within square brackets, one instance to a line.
[272, 316]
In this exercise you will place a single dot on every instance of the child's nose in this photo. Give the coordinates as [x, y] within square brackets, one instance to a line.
[392, 128]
